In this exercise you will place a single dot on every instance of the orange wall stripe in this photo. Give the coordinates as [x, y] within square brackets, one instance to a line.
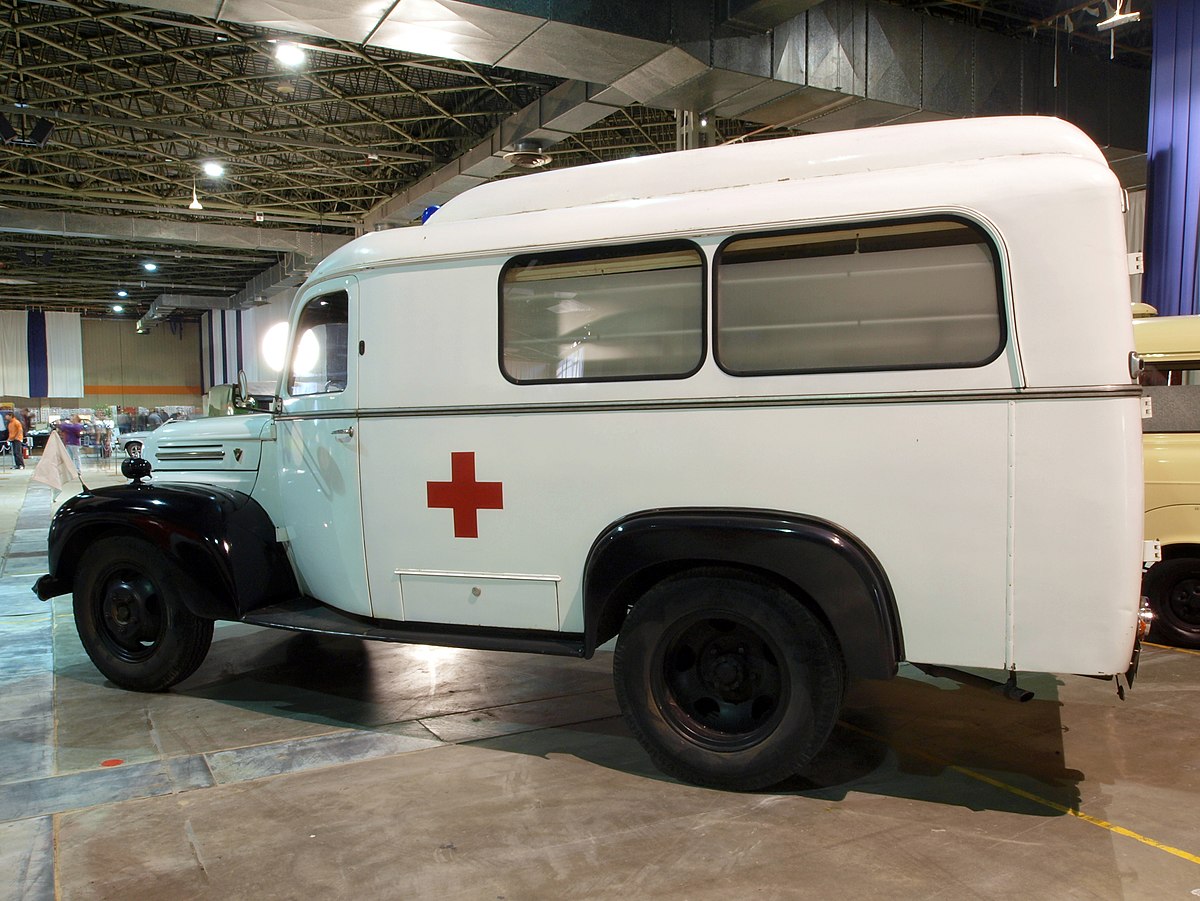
[141, 389]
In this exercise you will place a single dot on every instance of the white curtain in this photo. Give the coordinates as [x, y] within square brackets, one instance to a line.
[256, 323]
[64, 355]
[217, 337]
[14, 354]
[231, 345]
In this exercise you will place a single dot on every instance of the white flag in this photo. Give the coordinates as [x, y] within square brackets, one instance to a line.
[56, 467]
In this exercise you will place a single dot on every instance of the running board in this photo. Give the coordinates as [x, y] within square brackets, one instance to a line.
[305, 614]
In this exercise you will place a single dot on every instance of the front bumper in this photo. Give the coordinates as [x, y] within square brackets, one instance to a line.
[50, 587]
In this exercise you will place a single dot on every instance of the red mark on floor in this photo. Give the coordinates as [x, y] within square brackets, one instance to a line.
[113, 762]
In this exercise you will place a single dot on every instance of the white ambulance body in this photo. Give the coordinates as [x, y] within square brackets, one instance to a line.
[880, 377]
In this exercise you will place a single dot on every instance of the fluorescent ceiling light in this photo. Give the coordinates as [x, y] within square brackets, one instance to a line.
[150, 267]
[213, 169]
[117, 308]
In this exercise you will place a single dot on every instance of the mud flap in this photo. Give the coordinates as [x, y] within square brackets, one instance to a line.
[1145, 617]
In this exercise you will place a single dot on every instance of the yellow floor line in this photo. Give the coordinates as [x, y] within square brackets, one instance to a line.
[1030, 796]
[1167, 647]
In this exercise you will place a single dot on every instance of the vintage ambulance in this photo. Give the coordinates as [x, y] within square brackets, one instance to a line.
[772, 416]
[1170, 347]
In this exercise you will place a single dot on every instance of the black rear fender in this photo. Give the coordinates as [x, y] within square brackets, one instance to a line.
[222, 539]
[819, 563]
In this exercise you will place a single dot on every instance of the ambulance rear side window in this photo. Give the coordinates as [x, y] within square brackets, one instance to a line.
[915, 294]
[633, 312]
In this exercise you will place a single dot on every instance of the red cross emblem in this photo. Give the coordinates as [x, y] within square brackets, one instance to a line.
[465, 496]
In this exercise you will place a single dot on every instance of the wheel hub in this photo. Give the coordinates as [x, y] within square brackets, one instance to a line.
[129, 611]
[725, 670]
[1185, 601]
[724, 682]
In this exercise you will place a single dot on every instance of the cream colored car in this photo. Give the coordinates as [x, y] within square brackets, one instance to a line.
[1170, 347]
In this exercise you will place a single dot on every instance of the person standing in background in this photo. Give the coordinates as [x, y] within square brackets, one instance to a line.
[16, 439]
[71, 432]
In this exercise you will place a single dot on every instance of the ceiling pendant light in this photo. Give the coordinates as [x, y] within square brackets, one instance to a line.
[527, 155]
[1117, 18]
[195, 204]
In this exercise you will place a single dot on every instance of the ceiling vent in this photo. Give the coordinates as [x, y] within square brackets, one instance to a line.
[527, 155]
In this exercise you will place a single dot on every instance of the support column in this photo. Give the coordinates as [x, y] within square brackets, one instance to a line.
[692, 130]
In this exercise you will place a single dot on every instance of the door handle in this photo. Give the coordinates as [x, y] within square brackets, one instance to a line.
[348, 432]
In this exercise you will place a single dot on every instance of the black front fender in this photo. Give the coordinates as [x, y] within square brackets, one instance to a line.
[222, 539]
[816, 560]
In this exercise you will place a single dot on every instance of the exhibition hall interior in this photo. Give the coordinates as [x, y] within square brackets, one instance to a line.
[530, 449]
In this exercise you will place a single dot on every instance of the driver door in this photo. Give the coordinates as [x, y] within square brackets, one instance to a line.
[317, 432]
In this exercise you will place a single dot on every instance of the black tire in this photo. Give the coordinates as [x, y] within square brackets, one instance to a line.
[131, 618]
[133, 449]
[1173, 587]
[727, 680]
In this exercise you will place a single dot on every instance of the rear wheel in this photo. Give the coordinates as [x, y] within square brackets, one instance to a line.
[131, 617]
[1173, 588]
[727, 680]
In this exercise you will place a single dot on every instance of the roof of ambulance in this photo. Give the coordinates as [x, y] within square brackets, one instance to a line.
[713, 168]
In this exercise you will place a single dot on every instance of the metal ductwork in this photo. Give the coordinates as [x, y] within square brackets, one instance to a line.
[840, 64]
[737, 58]
[826, 66]
[759, 16]
[300, 252]
[286, 275]
[569, 108]
[166, 304]
[137, 230]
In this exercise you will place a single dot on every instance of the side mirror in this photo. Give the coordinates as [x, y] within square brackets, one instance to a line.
[243, 389]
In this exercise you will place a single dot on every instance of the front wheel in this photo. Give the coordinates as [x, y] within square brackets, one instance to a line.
[727, 680]
[131, 618]
[1173, 588]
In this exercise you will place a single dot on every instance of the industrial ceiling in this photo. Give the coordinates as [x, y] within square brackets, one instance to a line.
[111, 111]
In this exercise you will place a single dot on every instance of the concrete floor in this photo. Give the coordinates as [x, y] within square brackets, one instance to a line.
[298, 767]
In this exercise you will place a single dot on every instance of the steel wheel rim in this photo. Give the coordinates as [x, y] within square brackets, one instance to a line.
[130, 616]
[720, 680]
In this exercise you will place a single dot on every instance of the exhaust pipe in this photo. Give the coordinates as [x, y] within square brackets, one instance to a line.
[1009, 689]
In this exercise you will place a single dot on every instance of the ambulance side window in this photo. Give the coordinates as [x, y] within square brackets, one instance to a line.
[914, 294]
[321, 346]
[632, 312]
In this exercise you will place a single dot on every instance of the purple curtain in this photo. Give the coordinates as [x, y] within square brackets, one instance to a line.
[39, 378]
[1173, 206]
